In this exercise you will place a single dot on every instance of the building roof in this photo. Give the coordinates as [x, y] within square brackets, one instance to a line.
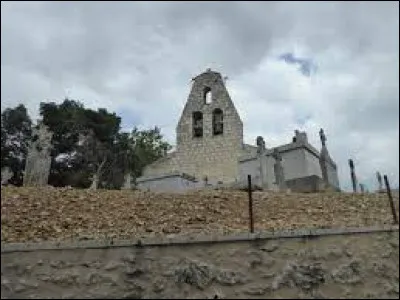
[286, 148]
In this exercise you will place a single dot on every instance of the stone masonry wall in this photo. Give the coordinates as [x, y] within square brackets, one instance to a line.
[213, 156]
[358, 263]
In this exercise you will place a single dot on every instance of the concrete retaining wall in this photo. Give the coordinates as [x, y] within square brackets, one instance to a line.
[347, 263]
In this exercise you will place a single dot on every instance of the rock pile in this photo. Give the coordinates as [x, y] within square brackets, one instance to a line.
[39, 214]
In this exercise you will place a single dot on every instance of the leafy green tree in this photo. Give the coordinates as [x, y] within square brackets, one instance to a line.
[16, 130]
[77, 132]
[131, 152]
[120, 161]
[85, 142]
[148, 146]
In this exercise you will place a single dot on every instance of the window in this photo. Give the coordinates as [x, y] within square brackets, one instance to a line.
[207, 95]
[197, 124]
[218, 122]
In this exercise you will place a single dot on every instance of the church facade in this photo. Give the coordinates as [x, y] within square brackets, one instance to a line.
[210, 150]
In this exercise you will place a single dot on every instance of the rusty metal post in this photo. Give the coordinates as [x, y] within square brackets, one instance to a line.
[250, 204]
[395, 220]
[353, 175]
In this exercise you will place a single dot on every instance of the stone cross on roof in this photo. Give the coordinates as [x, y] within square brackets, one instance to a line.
[260, 144]
[322, 137]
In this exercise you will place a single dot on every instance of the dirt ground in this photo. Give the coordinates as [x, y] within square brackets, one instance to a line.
[39, 214]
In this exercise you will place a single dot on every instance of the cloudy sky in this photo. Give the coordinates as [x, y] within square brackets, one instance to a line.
[290, 65]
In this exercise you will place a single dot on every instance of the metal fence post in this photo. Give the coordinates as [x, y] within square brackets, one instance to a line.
[395, 220]
[250, 204]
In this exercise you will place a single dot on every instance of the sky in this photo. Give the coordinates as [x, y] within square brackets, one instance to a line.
[290, 65]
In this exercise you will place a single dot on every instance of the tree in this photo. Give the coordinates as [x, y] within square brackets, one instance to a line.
[77, 132]
[97, 157]
[16, 130]
[120, 163]
[85, 142]
[148, 146]
[131, 152]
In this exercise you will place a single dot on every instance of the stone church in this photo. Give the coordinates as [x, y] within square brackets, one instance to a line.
[210, 150]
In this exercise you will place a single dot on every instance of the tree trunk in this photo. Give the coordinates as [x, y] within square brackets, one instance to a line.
[96, 176]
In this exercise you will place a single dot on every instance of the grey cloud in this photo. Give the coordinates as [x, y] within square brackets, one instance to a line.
[306, 66]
